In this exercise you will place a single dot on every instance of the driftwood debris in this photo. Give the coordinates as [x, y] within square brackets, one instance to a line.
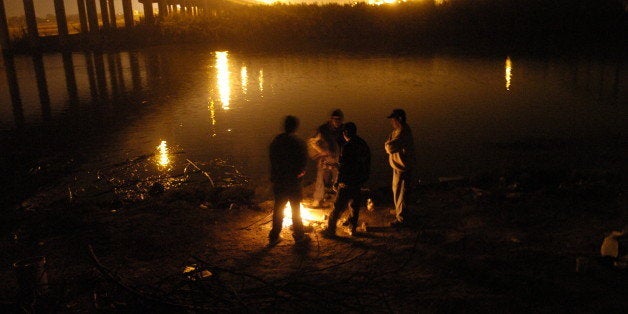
[201, 288]
[144, 295]
[203, 172]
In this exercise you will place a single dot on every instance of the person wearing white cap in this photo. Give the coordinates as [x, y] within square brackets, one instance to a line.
[400, 149]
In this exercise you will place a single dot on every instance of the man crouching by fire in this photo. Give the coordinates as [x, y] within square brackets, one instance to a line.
[288, 160]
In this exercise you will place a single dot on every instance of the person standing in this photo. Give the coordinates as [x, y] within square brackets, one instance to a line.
[400, 149]
[354, 168]
[325, 149]
[288, 161]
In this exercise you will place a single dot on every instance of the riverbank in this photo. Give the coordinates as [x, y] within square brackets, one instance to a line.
[500, 27]
[505, 243]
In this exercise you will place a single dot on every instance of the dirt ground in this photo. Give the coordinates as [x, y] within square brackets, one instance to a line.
[472, 247]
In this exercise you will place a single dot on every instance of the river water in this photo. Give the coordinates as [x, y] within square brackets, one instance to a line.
[467, 113]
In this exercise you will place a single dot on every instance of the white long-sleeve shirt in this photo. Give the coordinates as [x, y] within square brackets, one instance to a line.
[400, 149]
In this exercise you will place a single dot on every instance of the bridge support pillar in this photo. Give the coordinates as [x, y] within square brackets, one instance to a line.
[112, 14]
[148, 13]
[62, 22]
[104, 14]
[31, 23]
[82, 12]
[163, 8]
[128, 13]
[5, 42]
[92, 16]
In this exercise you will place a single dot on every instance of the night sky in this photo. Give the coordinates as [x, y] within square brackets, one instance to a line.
[44, 7]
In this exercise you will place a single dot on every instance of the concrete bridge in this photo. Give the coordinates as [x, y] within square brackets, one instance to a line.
[89, 17]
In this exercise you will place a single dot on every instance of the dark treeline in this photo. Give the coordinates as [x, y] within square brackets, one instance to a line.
[515, 25]
[536, 26]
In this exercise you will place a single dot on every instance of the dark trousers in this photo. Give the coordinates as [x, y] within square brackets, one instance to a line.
[347, 196]
[285, 193]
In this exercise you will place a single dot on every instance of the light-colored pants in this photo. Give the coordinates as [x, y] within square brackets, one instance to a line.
[325, 176]
[400, 186]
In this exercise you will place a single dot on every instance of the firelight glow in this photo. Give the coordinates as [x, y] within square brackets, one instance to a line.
[508, 72]
[224, 86]
[307, 215]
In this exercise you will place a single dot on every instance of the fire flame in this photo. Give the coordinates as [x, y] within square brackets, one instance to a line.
[307, 215]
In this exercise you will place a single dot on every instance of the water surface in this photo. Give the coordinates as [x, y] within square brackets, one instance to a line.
[202, 104]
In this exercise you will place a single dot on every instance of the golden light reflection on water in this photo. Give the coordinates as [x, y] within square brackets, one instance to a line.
[163, 159]
[508, 73]
[212, 117]
[244, 79]
[260, 79]
[224, 86]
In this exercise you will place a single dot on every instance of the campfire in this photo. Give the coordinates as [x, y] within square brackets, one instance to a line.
[308, 215]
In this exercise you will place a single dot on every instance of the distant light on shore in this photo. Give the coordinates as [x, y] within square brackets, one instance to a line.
[380, 2]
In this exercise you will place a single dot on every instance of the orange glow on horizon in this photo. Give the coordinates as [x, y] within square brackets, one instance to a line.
[382, 2]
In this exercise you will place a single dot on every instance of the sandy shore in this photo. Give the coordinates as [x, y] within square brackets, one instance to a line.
[507, 244]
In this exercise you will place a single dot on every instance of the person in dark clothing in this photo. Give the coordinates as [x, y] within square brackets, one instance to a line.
[288, 160]
[354, 169]
[325, 149]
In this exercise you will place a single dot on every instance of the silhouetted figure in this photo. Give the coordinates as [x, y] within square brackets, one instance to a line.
[325, 149]
[400, 149]
[288, 160]
[354, 168]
